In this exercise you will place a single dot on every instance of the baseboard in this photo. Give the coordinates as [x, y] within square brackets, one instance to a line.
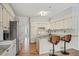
[32, 42]
[43, 52]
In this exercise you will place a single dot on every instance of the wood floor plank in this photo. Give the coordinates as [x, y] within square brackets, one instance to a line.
[33, 52]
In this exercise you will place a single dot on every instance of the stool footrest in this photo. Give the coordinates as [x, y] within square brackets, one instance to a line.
[52, 55]
[65, 53]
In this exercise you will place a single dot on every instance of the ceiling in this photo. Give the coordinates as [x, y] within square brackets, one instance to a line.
[32, 9]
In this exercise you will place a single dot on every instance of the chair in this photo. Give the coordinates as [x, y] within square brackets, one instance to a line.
[66, 38]
[54, 39]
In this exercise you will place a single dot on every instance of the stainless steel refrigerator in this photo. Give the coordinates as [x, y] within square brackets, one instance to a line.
[14, 33]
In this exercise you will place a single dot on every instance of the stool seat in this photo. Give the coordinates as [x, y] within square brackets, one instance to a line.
[54, 39]
[66, 38]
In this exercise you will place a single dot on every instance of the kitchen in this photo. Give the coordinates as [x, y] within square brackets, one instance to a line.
[19, 29]
[8, 29]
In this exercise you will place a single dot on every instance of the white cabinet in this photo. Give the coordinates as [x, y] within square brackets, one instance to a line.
[1, 30]
[9, 46]
[7, 21]
[5, 53]
[14, 50]
[11, 18]
[5, 17]
[59, 25]
[11, 51]
[53, 25]
[0, 13]
[63, 24]
[1, 33]
[8, 52]
[64, 19]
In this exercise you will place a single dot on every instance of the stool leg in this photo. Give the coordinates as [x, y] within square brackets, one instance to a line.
[64, 46]
[65, 52]
[53, 49]
[53, 52]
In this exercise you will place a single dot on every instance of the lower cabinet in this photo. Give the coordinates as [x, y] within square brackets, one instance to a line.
[6, 53]
[11, 51]
[14, 50]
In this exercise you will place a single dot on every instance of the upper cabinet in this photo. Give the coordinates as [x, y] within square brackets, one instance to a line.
[1, 30]
[64, 19]
[11, 18]
[5, 17]
[0, 13]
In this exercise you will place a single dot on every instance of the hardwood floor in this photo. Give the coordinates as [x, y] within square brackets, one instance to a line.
[72, 52]
[33, 52]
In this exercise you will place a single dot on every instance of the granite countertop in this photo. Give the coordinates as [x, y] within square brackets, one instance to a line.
[5, 40]
[3, 48]
[47, 36]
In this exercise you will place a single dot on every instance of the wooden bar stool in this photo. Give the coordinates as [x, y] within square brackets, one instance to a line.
[66, 38]
[54, 39]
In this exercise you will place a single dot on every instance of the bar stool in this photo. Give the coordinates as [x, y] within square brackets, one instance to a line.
[54, 39]
[66, 38]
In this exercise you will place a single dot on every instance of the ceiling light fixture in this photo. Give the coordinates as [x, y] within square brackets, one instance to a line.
[43, 13]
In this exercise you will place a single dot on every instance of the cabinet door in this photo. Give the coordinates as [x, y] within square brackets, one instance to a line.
[11, 18]
[67, 23]
[59, 24]
[6, 53]
[0, 13]
[54, 25]
[5, 19]
[9, 51]
[14, 50]
[1, 30]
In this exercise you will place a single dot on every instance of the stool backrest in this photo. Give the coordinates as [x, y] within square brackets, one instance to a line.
[67, 38]
[55, 39]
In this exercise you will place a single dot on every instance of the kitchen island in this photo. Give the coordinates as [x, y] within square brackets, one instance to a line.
[44, 46]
